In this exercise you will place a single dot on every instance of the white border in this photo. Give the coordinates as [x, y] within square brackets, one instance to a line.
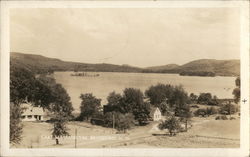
[5, 151]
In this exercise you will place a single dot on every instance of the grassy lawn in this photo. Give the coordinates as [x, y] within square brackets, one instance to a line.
[205, 133]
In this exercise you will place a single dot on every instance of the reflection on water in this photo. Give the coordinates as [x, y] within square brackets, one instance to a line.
[107, 82]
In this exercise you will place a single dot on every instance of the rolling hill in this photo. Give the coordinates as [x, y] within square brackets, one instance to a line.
[202, 66]
[39, 64]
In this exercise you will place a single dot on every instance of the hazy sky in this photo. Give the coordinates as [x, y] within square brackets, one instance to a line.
[138, 37]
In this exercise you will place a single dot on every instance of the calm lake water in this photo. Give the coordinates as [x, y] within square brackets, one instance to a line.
[107, 82]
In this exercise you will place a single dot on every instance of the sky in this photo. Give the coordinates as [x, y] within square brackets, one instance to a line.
[140, 37]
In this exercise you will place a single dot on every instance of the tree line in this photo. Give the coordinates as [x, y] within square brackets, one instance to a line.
[133, 107]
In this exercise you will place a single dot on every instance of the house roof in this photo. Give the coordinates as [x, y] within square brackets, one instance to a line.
[30, 110]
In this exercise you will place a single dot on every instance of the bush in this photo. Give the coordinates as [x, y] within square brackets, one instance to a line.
[223, 117]
[211, 111]
[122, 122]
[228, 109]
[200, 112]
[206, 112]
[207, 99]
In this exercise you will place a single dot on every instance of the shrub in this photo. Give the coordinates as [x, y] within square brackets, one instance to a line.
[211, 111]
[206, 112]
[223, 117]
[172, 124]
[122, 122]
[206, 98]
[200, 112]
[228, 109]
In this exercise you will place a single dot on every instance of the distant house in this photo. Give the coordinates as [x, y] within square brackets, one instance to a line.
[31, 113]
[155, 114]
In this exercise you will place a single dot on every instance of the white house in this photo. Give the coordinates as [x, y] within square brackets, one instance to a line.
[155, 114]
[31, 113]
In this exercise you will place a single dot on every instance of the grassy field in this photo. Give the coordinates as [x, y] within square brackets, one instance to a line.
[204, 133]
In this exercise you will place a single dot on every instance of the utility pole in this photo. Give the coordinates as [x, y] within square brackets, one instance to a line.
[75, 136]
[230, 108]
[113, 121]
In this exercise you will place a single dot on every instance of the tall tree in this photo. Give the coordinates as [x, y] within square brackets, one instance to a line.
[179, 97]
[114, 102]
[236, 91]
[172, 124]
[22, 84]
[133, 103]
[89, 105]
[59, 126]
[159, 93]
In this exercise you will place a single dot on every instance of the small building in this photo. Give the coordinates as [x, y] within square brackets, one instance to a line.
[31, 113]
[155, 114]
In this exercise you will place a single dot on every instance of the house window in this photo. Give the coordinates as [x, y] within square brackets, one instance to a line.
[35, 116]
[29, 116]
[23, 117]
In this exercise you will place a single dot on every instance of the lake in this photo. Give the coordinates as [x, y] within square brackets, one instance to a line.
[107, 82]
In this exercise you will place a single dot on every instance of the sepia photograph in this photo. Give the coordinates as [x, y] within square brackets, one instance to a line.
[125, 77]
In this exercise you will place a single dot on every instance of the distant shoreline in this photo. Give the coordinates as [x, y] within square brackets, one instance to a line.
[148, 73]
[202, 67]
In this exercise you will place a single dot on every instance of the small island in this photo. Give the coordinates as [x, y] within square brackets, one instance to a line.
[84, 74]
[197, 73]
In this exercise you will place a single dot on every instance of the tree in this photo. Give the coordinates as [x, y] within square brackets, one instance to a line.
[15, 124]
[114, 102]
[132, 102]
[204, 98]
[167, 98]
[122, 122]
[59, 126]
[141, 113]
[55, 98]
[228, 109]
[172, 124]
[236, 91]
[185, 113]
[22, 85]
[159, 93]
[179, 97]
[89, 105]
[193, 98]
